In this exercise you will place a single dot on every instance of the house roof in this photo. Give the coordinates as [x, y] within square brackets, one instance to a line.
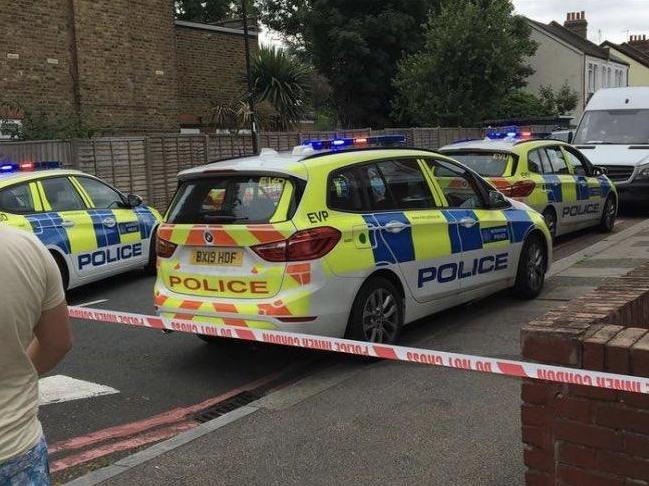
[630, 51]
[578, 42]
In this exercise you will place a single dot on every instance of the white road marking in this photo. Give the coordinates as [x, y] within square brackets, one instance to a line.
[94, 302]
[60, 388]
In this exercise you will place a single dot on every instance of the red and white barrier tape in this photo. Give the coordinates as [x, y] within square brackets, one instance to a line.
[386, 351]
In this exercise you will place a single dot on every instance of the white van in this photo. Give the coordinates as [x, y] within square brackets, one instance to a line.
[614, 133]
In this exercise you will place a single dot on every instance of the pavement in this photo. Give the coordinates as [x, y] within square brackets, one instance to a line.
[360, 422]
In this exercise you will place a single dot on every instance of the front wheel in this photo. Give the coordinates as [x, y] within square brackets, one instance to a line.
[530, 276]
[550, 218]
[607, 223]
[150, 268]
[377, 313]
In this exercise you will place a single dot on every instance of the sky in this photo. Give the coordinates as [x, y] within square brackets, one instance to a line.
[611, 20]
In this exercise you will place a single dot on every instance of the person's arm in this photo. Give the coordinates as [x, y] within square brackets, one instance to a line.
[52, 339]
[53, 333]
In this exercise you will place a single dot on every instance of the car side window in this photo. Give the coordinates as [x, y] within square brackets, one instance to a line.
[17, 199]
[457, 186]
[61, 194]
[534, 163]
[579, 164]
[406, 184]
[103, 196]
[558, 162]
[344, 192]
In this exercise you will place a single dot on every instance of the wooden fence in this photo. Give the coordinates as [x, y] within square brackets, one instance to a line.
[148, 165]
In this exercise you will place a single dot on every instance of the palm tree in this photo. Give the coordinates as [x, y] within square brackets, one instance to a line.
[282, 81]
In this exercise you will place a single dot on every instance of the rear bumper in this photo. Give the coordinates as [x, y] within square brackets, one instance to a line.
[326, 308]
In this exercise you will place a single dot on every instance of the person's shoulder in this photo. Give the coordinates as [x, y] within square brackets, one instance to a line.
[18, 238]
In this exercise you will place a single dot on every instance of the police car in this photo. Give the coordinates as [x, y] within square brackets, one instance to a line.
[550, 176]
[340, 240]
[92, 230]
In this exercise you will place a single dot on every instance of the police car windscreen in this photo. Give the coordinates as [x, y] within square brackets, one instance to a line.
[487, 164]
[227, 200]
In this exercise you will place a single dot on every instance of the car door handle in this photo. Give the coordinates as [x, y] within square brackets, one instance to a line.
[67, 224]
[468, 222]
[395, 227]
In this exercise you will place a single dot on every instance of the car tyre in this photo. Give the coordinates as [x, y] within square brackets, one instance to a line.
[530, 276]
[550, 218]
[151, 268]
[607, 223]
[63, 270]
[377, 313]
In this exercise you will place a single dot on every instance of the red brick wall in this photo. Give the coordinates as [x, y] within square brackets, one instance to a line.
[577, 435]
[211, 65]
[36, 31]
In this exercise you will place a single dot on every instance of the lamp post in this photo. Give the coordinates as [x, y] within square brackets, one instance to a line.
[251, 101]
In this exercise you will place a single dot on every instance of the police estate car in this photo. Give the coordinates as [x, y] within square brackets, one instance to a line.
[92, 230]
[550, 176]
[338, 242]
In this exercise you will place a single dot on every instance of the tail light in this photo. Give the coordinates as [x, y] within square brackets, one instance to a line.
[303, 245]
[519, 189]
[164, 248]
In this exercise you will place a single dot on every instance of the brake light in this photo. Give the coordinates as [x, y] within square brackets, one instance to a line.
[303, 245]
[519, 189]
[164, 248]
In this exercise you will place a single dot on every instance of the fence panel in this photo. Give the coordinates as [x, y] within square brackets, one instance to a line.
[119, 161]
[45, 150]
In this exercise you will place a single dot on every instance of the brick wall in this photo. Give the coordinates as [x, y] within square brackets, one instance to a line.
[35, 32]
[114, 61]
[127, 63]
[577, 435]
[211, 65]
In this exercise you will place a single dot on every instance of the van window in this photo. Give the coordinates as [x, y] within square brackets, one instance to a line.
[625, 127]
[227, 200]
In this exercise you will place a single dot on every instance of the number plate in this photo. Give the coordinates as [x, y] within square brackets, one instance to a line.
[219, 258]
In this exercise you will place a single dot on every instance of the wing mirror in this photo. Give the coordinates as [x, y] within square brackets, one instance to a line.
[498, 200]
[599, 171]
[133, 200]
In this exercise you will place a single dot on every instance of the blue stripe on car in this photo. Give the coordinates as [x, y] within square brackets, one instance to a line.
[48, 228]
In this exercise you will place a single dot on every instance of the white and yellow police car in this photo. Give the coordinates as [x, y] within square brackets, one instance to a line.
[92, 230]
[341, 242]
[550, 176]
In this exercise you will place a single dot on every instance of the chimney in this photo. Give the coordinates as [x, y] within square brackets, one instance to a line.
[640, 42]
[576, 21]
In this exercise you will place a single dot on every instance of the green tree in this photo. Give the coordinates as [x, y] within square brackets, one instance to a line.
[520, 104]
[283, 82]
[559, 102]
[210, 11]
[474, 55]
[356, 45]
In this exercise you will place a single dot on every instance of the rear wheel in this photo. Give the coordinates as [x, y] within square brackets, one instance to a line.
[607, 223]
[63, 270]
[550, 218]
[530, 276]
[377, 313]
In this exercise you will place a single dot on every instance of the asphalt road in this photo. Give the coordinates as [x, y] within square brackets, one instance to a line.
[157, 372]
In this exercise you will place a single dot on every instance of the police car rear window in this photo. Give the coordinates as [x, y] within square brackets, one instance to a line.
[227, 200]
[487, 164]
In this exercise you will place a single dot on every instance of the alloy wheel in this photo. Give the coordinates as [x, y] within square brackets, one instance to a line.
[381, 316]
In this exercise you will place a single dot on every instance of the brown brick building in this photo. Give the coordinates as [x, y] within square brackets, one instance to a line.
[123, 64]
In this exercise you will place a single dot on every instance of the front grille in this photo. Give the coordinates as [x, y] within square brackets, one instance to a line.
[618, 173]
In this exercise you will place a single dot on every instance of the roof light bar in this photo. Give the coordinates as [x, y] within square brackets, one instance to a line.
[8, 166]
[339, 143]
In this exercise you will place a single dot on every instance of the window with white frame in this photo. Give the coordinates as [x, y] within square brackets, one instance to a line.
[595, 77]
[591, 85]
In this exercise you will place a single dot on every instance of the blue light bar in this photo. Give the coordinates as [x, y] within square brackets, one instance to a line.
[8, 166]
[504, 133]
[359, 142]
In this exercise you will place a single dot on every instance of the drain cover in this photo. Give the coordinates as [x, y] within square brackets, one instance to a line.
[226, 406]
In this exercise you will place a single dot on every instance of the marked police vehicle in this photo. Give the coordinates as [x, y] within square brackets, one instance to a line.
[550, 176]
[342, 237]
[92, 230]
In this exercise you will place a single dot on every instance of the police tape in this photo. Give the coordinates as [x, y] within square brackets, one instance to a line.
[520, 369]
